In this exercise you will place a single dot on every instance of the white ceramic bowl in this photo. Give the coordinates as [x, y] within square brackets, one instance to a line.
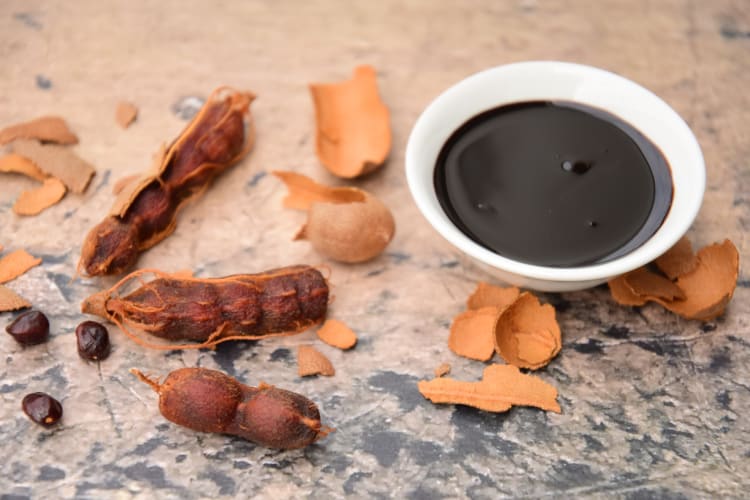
[550, 81]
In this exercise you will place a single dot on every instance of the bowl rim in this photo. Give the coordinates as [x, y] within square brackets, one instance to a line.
[662, 240]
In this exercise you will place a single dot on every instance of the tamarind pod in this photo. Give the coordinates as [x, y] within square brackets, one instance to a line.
[243, 306]
[144, 213]
[209, 401]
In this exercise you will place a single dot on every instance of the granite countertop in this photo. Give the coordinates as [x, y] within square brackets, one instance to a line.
[652, 404]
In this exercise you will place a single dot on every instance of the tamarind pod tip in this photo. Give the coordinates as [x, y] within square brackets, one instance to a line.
[146, 379]
[96, 304]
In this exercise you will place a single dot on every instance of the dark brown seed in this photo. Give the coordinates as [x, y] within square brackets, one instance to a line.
[42, 408]
[93, 341]
[29, 328]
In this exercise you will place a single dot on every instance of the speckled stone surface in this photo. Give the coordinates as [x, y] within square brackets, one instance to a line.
[652, 406]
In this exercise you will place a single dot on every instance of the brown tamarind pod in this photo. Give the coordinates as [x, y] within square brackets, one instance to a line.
[174, 307]
[210, 401]
[145, 211]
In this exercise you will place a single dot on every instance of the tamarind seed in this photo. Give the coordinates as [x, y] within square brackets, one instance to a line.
[42, 408]
[92, 339]
[29, 328]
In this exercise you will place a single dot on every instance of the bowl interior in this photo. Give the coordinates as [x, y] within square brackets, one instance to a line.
[548, 80]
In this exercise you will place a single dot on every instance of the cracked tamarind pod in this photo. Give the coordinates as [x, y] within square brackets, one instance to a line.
[144, 213]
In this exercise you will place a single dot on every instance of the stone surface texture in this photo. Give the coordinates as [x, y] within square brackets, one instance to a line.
[652, 405]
